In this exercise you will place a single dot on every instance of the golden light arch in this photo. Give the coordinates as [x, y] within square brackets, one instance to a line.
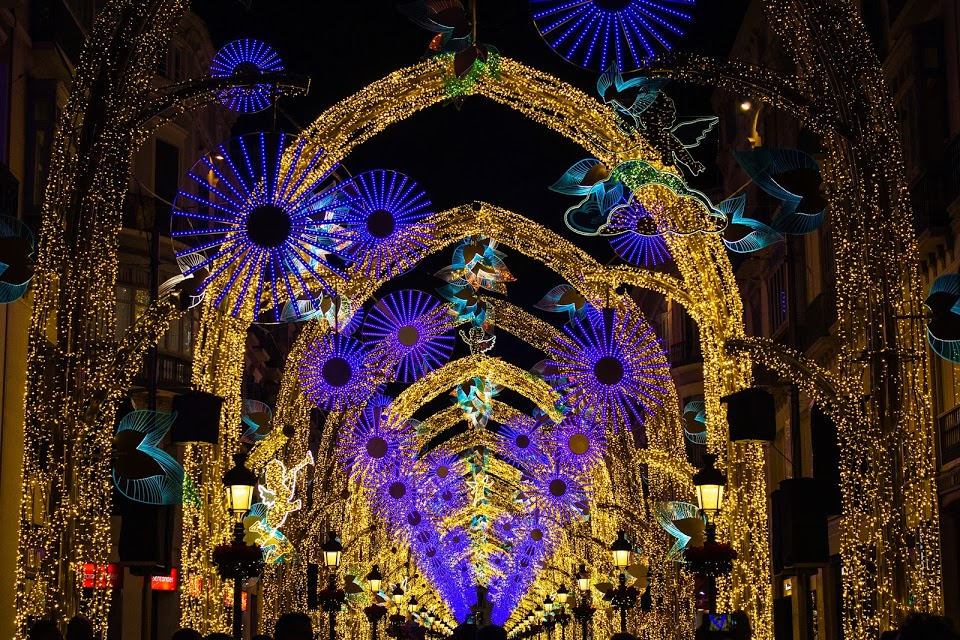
[701, 260]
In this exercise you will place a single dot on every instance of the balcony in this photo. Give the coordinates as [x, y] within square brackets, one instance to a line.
[53, 26]
[173, 373]
[949, 424]
[685, 352]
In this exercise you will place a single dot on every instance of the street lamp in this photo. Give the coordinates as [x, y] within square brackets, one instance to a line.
[332, 551]
[621, 550]
[710, 483]
[375, 578]
[562, 595]
[374, 612]
[239, 483]
[397, 595]
[583, 580]
[412, 604]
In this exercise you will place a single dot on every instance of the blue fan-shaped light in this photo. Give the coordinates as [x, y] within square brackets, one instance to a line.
[246, 57]
[634, 236]
[396, 494]
[598, 34]
[259, 229]
[371, 442]
[338, 372]
[612, 365]
[411, 328]
[386, 213]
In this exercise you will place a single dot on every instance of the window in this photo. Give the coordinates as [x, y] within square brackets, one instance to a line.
[777, 298]
[42, 116]
[177, 64]
[131, 303]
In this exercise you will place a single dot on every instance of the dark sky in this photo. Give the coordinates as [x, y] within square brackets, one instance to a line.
[483, 151]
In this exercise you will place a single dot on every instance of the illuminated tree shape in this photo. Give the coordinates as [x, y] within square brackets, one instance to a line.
[386, 214]
[16, 268]
[246, 57]
[599, 34]
[142, 471]
[411, 328]
[370, 444]
[338, 372]
[614, 367]
[523, 440]
[265, 233]
[579, 443]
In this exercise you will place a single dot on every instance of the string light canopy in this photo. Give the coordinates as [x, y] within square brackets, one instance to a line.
[246, 57]
[262, 230]
[413, 328]
[600, 34]
[338, 372]
[386, 212]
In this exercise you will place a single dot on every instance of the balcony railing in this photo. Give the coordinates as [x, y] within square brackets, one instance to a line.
[926, 196]
[172, 373]
[950, 435]
[685, 352]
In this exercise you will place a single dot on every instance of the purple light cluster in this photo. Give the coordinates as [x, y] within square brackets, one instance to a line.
[524, 440]
[371, 443]
[245, 57]
[413, 328]
[338, 372]
[614, 368]
[579, 443]
[559, 493]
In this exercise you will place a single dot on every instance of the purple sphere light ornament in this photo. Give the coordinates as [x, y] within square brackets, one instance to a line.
[256, 232]
[523, 440]
[613, 366]
[579, 442]
[386, 214]
[246, 57]
[412, 328]
[371, 443]
[338, 372]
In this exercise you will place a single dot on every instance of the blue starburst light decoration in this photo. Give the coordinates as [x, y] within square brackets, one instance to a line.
[523, 440]
[262, 236]
[600, 34]
[413, 329]
[634, 236]
[142, 471]
[560, 494]
[338, 372]
[396, 492]
[579, 443]
[386, 212]
[613, 366]
[372, 443]
[246, 57]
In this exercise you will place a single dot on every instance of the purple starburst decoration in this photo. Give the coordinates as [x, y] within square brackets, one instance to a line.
[412, 328]
[579, 442]
[371, 443]
[523, 440]
[635, 237]
[386, 211]
[246, 57]
[445, 481]
[396, 493]
[613, 365]
[260, 234]
[558, 493]
[338, 372]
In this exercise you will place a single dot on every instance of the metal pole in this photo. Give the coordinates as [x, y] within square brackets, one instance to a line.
[333, 625]
[238, 608]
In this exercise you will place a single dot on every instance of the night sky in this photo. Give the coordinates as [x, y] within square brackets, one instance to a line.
[484, 151]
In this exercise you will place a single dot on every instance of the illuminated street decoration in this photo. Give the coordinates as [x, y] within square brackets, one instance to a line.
[695, 422]
[792, 176]
[386, 213]
[683, 521]
[447, 18]
[634, 236]
[598, 34]
[371, 443]
[629, 98]
[564, 299]
[943, 327]
[339, 314]
[578, 442]
[523, 440]
[16, 265]
[338, 371]
[560, 494]
[475, 398]
[411, 328]
[396, 493]
[246, 57]
[614, 367]
[256, 418]
[477, 262]
[142, 471]
[279, 488]
[601, 190]
[263, 235]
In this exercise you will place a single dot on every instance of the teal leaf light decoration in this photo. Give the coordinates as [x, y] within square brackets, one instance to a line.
[142, 471]
[792, 176]
[759, 234]
[669, 515]
[631, 97]
[16, 267]
[695, 422]
[943, 328]
[256, 418]
[564, 299]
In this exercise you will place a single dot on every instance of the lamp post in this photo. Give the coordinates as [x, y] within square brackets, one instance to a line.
[710, 483]
[584, 611]
[562, 596]
[623, 598]
[374, 612]
[332, 551]
[239, 483]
